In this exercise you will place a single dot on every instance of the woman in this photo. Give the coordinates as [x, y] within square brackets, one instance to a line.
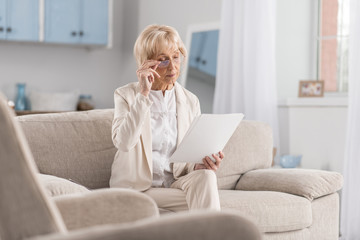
[150, 120]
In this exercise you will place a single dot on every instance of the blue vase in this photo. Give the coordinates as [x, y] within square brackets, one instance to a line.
[20, 102]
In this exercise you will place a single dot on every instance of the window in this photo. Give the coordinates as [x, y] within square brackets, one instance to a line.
[333, 44]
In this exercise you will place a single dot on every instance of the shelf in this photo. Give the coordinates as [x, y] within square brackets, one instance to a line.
[22, 113]
[315, 102]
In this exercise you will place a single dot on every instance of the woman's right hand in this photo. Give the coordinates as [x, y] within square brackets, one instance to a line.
[146, 75]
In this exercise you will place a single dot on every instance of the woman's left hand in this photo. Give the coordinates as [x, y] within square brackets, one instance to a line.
[209, 164]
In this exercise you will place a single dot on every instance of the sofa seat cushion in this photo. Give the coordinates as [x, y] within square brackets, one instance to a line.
[56, 186]
[272, 211]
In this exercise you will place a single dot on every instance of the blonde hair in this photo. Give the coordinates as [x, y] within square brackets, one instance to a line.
[153, 39]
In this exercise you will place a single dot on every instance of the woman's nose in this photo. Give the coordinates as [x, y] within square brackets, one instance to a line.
[171, 64]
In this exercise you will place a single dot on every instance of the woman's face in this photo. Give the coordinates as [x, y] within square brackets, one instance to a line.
[169, 68]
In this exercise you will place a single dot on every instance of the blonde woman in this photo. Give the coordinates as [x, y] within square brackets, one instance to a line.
[151, 117]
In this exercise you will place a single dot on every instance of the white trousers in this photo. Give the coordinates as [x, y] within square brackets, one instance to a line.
[198, 190]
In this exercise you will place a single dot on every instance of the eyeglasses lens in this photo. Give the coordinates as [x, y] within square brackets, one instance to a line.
[164, 64]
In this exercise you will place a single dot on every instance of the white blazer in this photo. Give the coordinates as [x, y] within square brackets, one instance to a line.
[131, 135]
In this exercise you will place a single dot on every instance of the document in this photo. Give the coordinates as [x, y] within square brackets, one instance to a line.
[207, 134]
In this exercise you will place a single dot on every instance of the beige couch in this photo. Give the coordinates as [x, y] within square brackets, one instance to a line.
[285, 203]
[27, 212]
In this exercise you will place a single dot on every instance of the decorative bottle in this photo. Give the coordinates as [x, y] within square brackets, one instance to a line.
[20, 102]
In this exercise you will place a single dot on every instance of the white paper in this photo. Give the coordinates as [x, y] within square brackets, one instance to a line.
[207, 134]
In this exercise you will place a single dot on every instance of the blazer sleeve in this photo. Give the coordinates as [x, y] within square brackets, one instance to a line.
[190, 166]
[128, 120]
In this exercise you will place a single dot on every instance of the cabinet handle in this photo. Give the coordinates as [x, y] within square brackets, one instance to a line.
[1, 29]
[73, 33]
[81, 33]
[8, 29]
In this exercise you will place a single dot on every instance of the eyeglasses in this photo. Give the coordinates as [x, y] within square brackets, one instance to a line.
[165, 63]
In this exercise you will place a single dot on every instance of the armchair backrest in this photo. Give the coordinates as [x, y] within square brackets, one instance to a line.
[25, 210]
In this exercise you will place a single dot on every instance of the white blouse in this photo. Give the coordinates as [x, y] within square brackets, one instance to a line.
[164, 135]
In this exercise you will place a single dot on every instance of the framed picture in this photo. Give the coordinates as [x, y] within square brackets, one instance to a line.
[312, 88]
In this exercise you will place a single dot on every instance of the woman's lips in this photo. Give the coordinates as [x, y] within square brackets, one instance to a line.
[171, 75]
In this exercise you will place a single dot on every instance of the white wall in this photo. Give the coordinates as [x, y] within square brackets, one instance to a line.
[98, 72]
[295, 55]
[50, 68]
[179, 13]
[296, 36]
[295, 45]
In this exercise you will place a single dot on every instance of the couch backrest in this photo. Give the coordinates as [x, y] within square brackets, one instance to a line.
[73, 145]
[78, 146]
[249, 148]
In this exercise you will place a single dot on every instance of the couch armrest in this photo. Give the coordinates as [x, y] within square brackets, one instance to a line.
[308, 183]
[105, 206]
[195, 225]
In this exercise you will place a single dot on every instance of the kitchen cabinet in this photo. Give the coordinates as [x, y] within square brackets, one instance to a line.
[203, 56]
[76, 21]
[19, 20]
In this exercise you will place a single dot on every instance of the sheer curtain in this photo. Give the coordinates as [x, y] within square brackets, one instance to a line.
[246, 77]
[350, 201]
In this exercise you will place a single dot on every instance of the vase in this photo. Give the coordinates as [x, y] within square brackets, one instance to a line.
[20, 102]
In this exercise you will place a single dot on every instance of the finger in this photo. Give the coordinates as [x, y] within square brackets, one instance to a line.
[146, 78]
[147, 72]
[206, 164]
[218, 160]
[156, 66]
[157, 74]
[211, 163]
[151, 77]
[221, 155]
[200, 166]
[150, 64]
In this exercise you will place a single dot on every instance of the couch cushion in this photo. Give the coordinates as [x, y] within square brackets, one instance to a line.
[272, 211]
[308, 183]
[249, 148]
[56, 186]
[75, 145]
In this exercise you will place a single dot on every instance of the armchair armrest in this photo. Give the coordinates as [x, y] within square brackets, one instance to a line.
[105, 206]
[199, 225]
[308, 183]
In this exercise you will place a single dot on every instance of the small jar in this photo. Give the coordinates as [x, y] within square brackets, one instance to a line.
[85, 103]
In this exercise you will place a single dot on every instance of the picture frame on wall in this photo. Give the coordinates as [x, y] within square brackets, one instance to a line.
[311, 88]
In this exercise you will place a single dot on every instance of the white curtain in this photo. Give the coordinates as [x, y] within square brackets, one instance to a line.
[350, 200]
[246, 75]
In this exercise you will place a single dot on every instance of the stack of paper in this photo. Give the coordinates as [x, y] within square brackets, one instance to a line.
[207, 134]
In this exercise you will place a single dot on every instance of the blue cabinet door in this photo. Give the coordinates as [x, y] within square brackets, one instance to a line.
[95, 22]
[204, 46]
[76, 21]
[196, 49]
[62, 21]
[209, 55]
[2, 18]
[22, 20]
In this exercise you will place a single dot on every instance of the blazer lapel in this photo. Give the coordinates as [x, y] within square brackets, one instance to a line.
[146, 138]
[181, 111]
